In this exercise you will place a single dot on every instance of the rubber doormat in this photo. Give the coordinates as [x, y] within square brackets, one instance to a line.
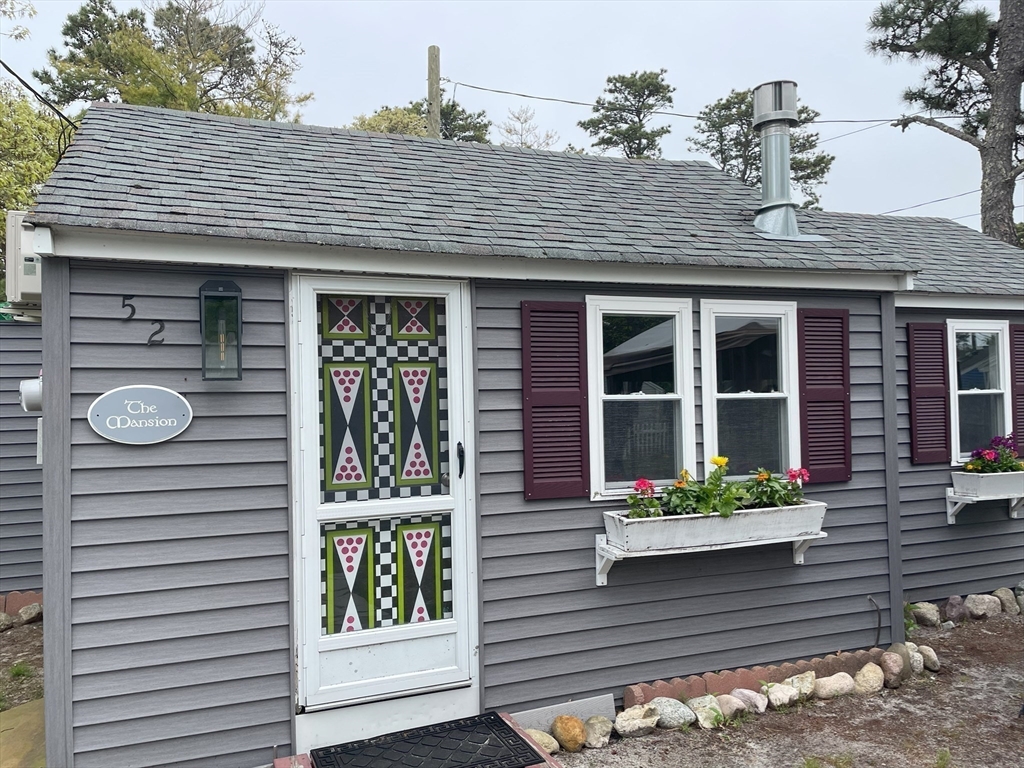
[484, 741]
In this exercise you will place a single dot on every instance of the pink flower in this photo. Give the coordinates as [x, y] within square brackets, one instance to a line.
[644, 487]
[798, 475]
[990, 455]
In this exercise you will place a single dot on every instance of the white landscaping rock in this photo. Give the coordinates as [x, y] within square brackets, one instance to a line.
[1008, 600]
[1020, 602]
[29, 614]
[931, 660]
[926, 614]
[911, 647]
[544, 740]
[839, 684]
[780, 695]
[730, 706]
[599, 730]
[6, 622]
[672, 712]
[917, 663]
[804, 683]
[709, 714]
[870, 679]
[636, 721]
[982, 606]
[756, 702]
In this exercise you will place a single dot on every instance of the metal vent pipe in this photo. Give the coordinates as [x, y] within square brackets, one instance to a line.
[774, 115]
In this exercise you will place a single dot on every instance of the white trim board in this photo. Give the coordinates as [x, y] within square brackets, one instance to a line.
[86, 243]
[959, 301]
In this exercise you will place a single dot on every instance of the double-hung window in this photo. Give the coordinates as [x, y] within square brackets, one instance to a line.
[980, 377]
[640, 353]
[751, 412]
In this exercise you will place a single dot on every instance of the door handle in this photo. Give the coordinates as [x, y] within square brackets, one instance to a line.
[461, 452]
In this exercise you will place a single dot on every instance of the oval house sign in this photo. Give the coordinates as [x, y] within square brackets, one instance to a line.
[140, 415]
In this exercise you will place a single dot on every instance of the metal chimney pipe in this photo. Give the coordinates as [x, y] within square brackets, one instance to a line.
[774, 115]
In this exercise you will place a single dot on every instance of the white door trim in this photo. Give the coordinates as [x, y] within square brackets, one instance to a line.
[303, 288]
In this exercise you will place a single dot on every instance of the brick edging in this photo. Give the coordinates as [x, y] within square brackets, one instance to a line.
[718, 683]
[13, 602]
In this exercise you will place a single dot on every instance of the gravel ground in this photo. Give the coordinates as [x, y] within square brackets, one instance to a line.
[964, 716]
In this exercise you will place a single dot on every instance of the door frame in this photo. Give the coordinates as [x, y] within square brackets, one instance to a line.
[463, 697]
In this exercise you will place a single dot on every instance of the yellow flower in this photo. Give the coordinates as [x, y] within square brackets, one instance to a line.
[762, 476]
[680, 483]
[684, 475]
[969, 466]
[719, 461]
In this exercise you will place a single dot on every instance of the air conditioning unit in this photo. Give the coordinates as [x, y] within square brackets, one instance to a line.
[24, 267]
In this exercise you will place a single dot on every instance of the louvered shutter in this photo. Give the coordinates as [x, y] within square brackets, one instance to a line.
[929, 393]
[1017, 379]
[824, 337]
[555, 414]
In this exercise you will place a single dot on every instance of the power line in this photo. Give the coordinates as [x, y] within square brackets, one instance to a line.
[39, 96]
[930, 202]
[67, 125]
[969, 215]
[679, 114]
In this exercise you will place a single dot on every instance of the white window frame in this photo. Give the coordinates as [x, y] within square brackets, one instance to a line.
[681, 310]
[789, 368]
[1002, 330]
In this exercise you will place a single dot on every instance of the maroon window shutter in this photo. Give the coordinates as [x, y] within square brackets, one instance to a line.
[1017, 380]
[929, 393]
[555, 414]
[824, 337]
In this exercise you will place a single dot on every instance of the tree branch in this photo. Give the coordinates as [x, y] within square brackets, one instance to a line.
[1016, 172]
[905, 122]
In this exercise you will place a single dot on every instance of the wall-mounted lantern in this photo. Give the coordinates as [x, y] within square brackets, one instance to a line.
[220, 323]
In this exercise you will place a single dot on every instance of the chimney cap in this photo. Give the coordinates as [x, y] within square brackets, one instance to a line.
[775, 101]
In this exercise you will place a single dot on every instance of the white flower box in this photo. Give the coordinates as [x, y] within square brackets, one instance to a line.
[996, 485]
[648, 534]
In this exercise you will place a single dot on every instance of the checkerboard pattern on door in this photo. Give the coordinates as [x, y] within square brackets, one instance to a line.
[382, 573]
[383, 397]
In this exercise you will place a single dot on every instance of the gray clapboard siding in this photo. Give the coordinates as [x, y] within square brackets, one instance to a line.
[180, 639]
[549, 634]
[21, 490]
[984, 550]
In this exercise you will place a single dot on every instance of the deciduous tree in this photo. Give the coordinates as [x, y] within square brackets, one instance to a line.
[725, 132]
[520, 131]
[28, 151]
[623, 114]
[197, 55]
[975, 71]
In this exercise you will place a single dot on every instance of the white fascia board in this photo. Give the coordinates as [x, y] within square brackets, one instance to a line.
[91, 243]
[959, 301]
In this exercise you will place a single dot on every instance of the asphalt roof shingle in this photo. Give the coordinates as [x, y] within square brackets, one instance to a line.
[155, 170]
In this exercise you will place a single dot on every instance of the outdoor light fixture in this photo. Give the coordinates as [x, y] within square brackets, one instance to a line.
[220, 324]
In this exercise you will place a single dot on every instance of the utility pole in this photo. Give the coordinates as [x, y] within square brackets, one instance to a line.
[434, 92]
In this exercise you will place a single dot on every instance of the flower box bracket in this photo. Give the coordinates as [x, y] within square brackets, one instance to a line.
[955, 503]
[608, 554]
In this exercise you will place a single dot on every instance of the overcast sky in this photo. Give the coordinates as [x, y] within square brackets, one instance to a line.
[361, 55]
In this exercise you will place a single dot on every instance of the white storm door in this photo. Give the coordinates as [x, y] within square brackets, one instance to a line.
[386, 577]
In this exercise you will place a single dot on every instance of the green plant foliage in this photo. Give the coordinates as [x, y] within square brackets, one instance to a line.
[714, 495]
[22, 669]
[457, 123]
[643, 503]
[768, 490]
[621, 118]
[909, 622]
[943, 759]
[28, 152]
[725, 132]
[401, 120]
[197, 55]
[975, 68]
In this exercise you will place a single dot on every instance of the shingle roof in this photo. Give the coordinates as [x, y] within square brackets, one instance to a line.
[155, 170]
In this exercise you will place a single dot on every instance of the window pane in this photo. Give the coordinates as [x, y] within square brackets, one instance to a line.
[639, 352]
[747, 354]
[640, 440]
[981, 419]
[751, 434]
[977, 360]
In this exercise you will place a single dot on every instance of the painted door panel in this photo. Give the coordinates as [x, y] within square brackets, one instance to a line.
[387, 601]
